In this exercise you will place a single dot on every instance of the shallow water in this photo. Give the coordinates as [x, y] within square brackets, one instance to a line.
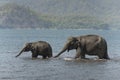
[24, 68]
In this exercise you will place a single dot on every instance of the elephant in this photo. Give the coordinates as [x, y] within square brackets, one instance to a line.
[38, 48]
[86, 44]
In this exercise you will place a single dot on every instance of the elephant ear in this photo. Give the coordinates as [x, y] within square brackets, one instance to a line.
[72, 40]
[77, 44]
[28, 46]
[73, 43]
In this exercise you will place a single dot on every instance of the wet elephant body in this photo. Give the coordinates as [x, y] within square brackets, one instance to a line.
[41, 48]
[86, 44]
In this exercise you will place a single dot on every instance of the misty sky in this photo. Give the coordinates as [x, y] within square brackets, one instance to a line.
[87, 7]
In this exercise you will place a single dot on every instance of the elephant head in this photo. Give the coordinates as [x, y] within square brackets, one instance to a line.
[72, 43]
[26, 48]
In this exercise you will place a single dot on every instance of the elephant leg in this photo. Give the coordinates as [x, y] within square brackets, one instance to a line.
[44, 56]
[79, 53]
[49, 55]
[100, 56]
[82, 55]
[34, 55]
[105, 56]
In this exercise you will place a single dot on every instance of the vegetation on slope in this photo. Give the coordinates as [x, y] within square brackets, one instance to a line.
[15, 16]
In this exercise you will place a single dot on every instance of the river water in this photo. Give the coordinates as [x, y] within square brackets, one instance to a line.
[24, 68]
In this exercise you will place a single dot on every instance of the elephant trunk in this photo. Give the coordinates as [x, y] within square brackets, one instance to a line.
[63, 50]
[20, 53]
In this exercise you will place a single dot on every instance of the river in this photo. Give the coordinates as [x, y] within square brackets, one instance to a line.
[24, 68]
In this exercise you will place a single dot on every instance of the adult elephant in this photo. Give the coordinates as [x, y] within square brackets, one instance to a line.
[38, 48]
[86, 44]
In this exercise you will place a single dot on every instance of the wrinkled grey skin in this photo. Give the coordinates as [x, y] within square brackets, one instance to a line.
[87, 44]
[38, 48]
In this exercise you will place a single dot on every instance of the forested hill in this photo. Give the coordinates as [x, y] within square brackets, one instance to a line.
[16, 16]
[19, 16]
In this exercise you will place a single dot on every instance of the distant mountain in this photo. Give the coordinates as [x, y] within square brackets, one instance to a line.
[15, 16]
[81, 14]
[108, 11]
[66, 7]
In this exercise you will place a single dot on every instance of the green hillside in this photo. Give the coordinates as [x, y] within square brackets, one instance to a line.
[16, 16]
[77, 22]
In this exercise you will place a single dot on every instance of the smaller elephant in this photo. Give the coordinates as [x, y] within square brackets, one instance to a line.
[86, 44]
[38, 48]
